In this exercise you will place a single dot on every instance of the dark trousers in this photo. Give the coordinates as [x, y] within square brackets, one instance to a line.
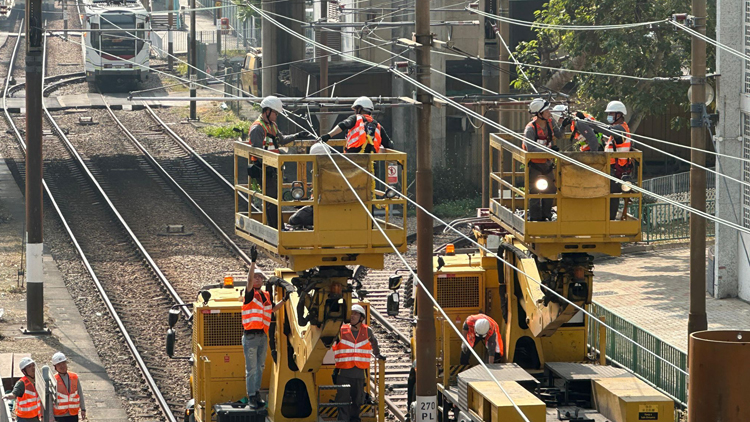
[256, 173]
[66, 418]
[541, 209]
[355, 395]
[614, 203]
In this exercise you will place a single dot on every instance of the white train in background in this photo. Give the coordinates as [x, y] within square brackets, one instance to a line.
[5, 8]
[116, 44]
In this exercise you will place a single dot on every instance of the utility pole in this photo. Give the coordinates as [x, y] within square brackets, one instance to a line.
[324, 118]
[426, 377]
[34, 192]
[504, 85]
[697, 317]
[170, 46]
[218, 27]
[65, 17]
[488, 45]
[268, 43]
[192, 71]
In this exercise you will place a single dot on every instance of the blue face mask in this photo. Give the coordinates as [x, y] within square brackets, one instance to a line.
[610, 119]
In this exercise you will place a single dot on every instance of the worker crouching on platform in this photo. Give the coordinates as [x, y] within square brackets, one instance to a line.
[352, 353]
[483, 328]
[256, 319]
[364, 134]
[541, 130]
[70, 401]
[28, 404]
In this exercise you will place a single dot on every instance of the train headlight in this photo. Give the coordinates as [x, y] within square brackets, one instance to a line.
[627, 186]
[391, 193]
[298, 191]
[541, 184]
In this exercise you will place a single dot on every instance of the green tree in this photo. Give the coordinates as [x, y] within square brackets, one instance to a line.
[658, 50]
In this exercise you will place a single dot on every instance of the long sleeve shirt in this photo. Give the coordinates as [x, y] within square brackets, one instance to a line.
[66, 379]
[257, 135]
[348, 123]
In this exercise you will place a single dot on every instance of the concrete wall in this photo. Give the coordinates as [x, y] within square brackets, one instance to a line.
[732, 269]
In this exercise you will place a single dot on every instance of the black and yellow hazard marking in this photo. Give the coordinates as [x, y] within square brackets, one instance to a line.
[332, 412]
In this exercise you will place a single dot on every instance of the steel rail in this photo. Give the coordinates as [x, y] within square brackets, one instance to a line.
[161, 401]
[79, 250]
[176, 186]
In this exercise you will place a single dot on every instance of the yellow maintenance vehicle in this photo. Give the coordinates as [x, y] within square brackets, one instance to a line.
[298, 372]
[550, 366]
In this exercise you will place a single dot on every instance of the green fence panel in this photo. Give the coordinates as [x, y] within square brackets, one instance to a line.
[628, 355]
[663, 222]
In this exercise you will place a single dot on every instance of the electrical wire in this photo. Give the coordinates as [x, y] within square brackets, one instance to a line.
[424, 288]
[539, 25]
[505, 130]
[513, 57]
[495, 255]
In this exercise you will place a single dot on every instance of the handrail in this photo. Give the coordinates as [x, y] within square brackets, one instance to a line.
[381, 390]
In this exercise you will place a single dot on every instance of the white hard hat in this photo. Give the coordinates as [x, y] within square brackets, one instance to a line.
[365, 103]
[616, 107]
[58, 358]
[360, 309]
[274, 103]
[538, 105]
[319, 148]
[558, 110]
[260, 272]
[25, 362]
[482, 327]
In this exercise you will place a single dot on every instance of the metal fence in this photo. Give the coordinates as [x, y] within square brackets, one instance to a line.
[5, 415]
[663, 221]
[623, 353]
[180, 40]
[674, 183]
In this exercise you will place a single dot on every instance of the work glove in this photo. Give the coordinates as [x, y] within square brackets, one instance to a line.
[380, 357]
[302, 135]
[253, 254]
[286, 296]
[325, 137]
[554, 148]
[580, 115]
[566, 122]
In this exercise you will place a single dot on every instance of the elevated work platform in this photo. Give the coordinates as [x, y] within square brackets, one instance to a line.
[342, 232]
[582, 199]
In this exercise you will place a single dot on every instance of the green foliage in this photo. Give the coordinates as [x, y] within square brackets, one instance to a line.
[244, 12]
[660, 50]
[182, 69]
[225, 131]
[459, 208]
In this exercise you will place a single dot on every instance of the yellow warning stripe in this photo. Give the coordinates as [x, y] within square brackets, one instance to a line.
[332, 412]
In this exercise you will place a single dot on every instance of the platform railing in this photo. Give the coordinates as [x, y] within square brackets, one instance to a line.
[582, 199]
[340, 225]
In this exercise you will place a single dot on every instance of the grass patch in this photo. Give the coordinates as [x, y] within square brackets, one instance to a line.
[453, 208]
[225, 131]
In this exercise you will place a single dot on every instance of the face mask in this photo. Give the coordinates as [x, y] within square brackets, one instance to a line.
[610, 119]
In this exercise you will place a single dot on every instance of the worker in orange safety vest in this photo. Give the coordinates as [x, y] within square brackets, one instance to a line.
[352, 353]
[482, 327]
[364, 134]
[257, 310]
[541, 130]
[69, 403]
[28, 403]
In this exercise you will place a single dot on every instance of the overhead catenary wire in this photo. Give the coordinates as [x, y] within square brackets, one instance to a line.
[539, 25]
[513, 57]
[424, 288]
[505, 130]
[495, 255]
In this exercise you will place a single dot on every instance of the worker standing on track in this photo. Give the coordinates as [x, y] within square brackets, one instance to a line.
[257, 309]
[364, 134]
[70, 401]
[28, 404]
[352, 352]
[482, 327]
[541, 130]
[264, 133]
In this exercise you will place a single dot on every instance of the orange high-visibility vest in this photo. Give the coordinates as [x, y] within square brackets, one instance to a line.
[29, 405]
[350, 352]
[542, 137]
[611, 146]
[68, 401]
[270, 131]
[494, 328]
[256, 315]
[357, 136]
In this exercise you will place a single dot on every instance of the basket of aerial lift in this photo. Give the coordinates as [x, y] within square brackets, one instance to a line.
[582, 199]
